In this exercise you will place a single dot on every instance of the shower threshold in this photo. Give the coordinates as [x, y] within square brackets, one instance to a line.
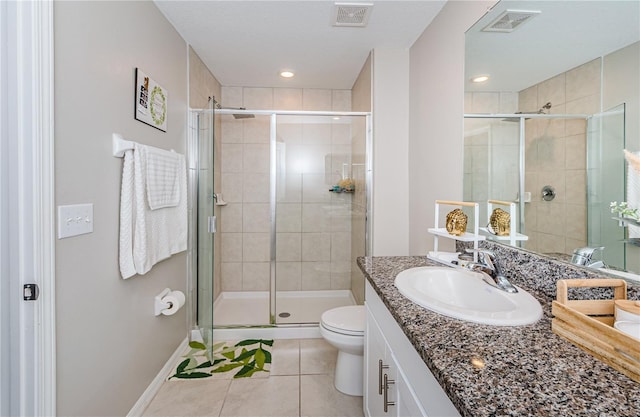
[251, 308]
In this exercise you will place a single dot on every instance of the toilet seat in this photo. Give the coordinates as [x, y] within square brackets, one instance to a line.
[348, 320]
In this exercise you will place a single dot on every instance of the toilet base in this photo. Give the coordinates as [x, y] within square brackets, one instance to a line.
[348, 377]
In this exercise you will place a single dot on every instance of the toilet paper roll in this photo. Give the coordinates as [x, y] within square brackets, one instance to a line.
[175, 300]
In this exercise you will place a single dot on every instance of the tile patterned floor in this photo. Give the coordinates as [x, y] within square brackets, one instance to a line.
[300, 384]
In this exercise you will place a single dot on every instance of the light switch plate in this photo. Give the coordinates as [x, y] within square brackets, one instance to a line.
[73, 220]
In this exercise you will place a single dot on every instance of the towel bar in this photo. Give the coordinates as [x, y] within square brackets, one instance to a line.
[120, 145]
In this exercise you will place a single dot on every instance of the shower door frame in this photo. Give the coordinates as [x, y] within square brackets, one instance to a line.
[273, 114]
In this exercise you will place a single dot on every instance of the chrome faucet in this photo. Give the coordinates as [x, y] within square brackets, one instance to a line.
[584, 257]
[488, 264]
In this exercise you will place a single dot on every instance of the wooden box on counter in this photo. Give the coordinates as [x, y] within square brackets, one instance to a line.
[588, 324]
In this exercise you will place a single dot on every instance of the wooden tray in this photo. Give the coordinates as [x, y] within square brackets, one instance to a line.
[588, 324]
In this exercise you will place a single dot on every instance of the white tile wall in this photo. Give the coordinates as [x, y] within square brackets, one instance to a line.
[289, 276]
[287, 98]
[258, 98]
[256, 158]
[288, 217]
[231, 276]
[289, 247]
[255, 276]
[316, 99]
[256, 247]
[255, 188]
[316, 276]
[231, 247]
[316, 246]
[256, 218]
[231, 218]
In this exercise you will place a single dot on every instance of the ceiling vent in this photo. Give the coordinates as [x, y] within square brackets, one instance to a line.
[351, 14]
[510, 20]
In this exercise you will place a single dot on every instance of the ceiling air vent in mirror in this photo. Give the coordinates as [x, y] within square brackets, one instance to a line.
[351, 14]
[510, 20]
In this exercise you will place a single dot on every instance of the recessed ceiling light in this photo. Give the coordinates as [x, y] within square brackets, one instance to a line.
[479, 79]
[286, 74]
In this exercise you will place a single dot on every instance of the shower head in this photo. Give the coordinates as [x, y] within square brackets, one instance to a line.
[239, 115]
[243, 116]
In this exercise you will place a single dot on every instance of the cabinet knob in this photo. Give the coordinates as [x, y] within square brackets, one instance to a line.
[386, 401]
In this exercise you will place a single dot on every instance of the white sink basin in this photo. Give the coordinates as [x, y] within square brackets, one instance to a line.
[466, 296]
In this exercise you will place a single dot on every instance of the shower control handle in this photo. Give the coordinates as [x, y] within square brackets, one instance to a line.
[548, 193]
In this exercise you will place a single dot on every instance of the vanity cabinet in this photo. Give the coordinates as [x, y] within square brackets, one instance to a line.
[397, 381]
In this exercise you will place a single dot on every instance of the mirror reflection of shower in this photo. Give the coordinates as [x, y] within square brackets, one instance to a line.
[558, 216]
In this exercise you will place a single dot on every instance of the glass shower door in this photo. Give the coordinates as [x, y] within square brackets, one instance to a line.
[606, 183]
[205, 220]
[314, 194]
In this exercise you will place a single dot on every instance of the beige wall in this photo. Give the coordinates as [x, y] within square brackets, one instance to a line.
[361, 101]
[110, 345]
[435, 118]
[390, 195]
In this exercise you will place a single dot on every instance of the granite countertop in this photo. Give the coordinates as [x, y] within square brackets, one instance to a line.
[529, 371]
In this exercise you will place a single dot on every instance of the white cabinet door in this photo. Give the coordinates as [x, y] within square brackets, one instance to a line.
[408, 406]
[415, 391]
[378, 365]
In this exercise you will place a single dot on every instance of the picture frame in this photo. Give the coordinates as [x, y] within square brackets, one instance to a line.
[151, 101]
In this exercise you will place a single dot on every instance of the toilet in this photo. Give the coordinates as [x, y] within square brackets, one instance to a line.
[343, 328]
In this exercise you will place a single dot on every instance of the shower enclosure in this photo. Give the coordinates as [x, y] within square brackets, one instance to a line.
[561, 170]
[285, 193]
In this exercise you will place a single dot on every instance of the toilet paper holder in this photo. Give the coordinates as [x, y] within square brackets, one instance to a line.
[161, 305]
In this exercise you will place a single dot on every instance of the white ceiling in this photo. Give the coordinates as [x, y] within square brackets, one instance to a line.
[247, 43]
[564, 35]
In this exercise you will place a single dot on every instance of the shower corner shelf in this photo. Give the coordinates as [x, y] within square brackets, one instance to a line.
[437, 232]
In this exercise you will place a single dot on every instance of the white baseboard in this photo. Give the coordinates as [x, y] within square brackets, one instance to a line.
[145, 399]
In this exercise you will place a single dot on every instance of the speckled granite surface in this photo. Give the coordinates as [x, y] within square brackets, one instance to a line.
[529, 371]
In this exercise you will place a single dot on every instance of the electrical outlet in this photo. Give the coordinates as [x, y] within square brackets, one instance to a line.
[73, 220]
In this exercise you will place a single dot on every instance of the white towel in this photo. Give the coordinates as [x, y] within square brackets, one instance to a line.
[163, 177]
[148, 236]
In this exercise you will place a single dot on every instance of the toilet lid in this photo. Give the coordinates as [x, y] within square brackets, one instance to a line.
[346, 320]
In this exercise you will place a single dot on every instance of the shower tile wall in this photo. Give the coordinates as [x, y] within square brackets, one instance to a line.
[313, 249]
[556, 155]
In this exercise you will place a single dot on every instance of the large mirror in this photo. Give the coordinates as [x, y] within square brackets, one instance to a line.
[547, 129]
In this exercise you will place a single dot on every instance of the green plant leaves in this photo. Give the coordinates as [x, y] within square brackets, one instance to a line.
[222, 358]
[197, 345]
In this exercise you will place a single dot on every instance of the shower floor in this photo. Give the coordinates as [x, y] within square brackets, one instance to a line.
[252, 307]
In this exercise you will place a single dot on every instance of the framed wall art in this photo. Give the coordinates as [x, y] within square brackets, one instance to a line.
[151, 101]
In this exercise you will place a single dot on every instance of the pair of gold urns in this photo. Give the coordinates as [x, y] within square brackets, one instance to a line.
[499, 222]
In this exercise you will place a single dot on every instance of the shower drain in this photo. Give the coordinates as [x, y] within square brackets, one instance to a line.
[284, 314]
